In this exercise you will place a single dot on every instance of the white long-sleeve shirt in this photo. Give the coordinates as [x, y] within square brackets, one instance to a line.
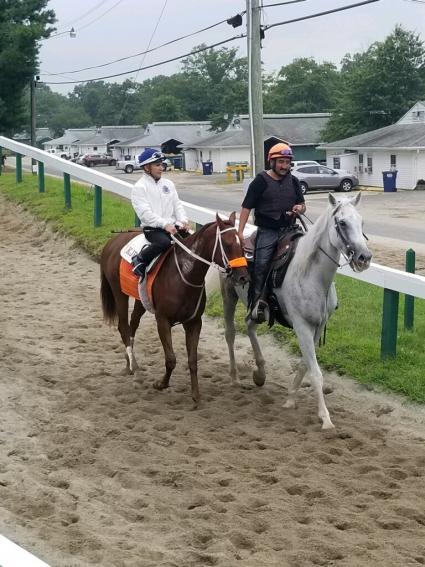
[156, 202]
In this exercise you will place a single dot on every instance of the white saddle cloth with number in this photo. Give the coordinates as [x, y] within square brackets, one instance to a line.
[133, 247]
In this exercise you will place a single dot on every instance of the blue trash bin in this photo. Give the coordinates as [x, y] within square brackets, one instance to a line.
[207, 167]
[390, 178]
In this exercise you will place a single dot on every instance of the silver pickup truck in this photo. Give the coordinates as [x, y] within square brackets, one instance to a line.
[127, 165]
[133, 165]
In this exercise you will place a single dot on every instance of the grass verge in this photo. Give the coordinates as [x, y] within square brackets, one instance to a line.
[353, 335]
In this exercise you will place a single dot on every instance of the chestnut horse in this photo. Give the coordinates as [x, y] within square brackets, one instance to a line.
[178, 290]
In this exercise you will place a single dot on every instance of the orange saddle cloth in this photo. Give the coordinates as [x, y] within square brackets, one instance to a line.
[129, 282]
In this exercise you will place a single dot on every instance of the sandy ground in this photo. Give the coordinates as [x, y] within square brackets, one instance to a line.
[97, 468]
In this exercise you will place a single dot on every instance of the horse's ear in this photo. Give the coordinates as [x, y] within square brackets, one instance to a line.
[332, 199]
[232, 218]
[218, 219]
[356, 200]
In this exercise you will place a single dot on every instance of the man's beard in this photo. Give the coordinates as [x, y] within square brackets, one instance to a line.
[281, 172]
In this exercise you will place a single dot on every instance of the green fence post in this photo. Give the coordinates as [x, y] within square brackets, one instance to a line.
[97, 205]
[67, 190]
[389, 324]
[41, 185]
[136, 221]
[1, 159]
[409, 301]
[18, 168]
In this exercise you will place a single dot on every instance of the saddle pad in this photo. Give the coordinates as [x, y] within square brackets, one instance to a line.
[133, 247]
[130, 285]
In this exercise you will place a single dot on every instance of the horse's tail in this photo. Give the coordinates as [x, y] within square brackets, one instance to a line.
[109, 307]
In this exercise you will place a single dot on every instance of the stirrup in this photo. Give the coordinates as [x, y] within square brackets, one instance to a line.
[139, 268]
[260, 312]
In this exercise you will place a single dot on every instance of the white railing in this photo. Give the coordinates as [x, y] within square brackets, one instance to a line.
[11, 555]
[382, 276]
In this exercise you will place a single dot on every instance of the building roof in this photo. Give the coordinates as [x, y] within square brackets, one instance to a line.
[98, 136]
[297, 129]
[157, 133]
[73, 135]
[394, 136]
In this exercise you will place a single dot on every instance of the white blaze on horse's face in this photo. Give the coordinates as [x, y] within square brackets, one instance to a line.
[348, 233]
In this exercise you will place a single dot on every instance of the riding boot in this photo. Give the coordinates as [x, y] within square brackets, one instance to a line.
[258, 305]
[139, 267]
[140, 262]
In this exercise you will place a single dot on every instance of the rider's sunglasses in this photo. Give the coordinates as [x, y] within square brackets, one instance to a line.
[158, 155]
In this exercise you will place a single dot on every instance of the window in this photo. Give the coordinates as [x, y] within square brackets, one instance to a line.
[361, 163]
[337, 163]
[95, 148]
[325, 171]
[369, 164]
[393, 162]
[310, 169]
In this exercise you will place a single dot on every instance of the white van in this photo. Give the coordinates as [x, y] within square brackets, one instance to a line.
[59, 153]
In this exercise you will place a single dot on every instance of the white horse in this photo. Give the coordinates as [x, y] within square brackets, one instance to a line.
[307, 296]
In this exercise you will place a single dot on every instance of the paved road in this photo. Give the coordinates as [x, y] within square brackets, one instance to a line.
[396, 217]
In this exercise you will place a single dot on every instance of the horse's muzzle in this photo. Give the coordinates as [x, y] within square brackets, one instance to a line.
[240, 276]
[361, 262]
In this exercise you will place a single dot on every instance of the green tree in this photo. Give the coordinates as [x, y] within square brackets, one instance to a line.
[379, 85]
[216, 83]
[165, 108]
[23, 23]
[302, 86]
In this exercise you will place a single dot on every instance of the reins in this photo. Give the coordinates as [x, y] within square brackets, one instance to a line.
[234, 263]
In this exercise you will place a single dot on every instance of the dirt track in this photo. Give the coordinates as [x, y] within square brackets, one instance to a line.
[97, 468]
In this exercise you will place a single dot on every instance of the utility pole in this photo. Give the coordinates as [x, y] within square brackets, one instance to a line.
[255, 86]
[33, 117]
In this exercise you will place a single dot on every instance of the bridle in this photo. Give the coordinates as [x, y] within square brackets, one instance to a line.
[227, 266]
[348, 251]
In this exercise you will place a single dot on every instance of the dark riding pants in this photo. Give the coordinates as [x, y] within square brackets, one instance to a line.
[265, 245]
[159, 240]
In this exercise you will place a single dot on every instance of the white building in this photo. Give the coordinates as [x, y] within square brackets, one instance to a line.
[400, 147]
[93, 140]
[233, 145]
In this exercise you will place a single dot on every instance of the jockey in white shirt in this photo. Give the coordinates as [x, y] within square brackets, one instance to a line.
[158, 207]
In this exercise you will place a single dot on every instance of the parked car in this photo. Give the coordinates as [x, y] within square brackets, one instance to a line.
[301, 163]
[128, 166]
[59, 153]
[91, 160]
[322, 177]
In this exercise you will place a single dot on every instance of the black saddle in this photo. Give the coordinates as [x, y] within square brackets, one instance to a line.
[285, 250]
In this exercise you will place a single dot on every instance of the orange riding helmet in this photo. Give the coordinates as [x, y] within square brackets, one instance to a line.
[280, 150]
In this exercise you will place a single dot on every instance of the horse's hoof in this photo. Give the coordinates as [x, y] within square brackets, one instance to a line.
[125, 372]
[328, 426]
[259, 377]
[159, 385]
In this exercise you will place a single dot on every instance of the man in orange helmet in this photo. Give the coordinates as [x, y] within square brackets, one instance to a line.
[276, 196]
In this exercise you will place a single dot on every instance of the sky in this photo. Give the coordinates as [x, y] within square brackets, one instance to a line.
[111, 29]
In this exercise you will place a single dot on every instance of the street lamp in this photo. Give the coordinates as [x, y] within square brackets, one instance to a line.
[71, 33]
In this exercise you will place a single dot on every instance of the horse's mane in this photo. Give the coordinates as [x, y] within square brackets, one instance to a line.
[309, 243]
[190, 240]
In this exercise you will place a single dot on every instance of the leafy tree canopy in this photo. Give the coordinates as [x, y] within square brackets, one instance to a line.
[22, 24]
[379, 85]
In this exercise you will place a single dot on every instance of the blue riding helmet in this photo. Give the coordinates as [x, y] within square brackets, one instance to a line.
[150, 155]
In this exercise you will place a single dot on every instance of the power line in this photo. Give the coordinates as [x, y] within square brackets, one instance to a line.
[143, 58]
[101, 16]
[282, 3]
[349, 7]
[140, 53]
[194, 52]
[86, 13]
[318, 14]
